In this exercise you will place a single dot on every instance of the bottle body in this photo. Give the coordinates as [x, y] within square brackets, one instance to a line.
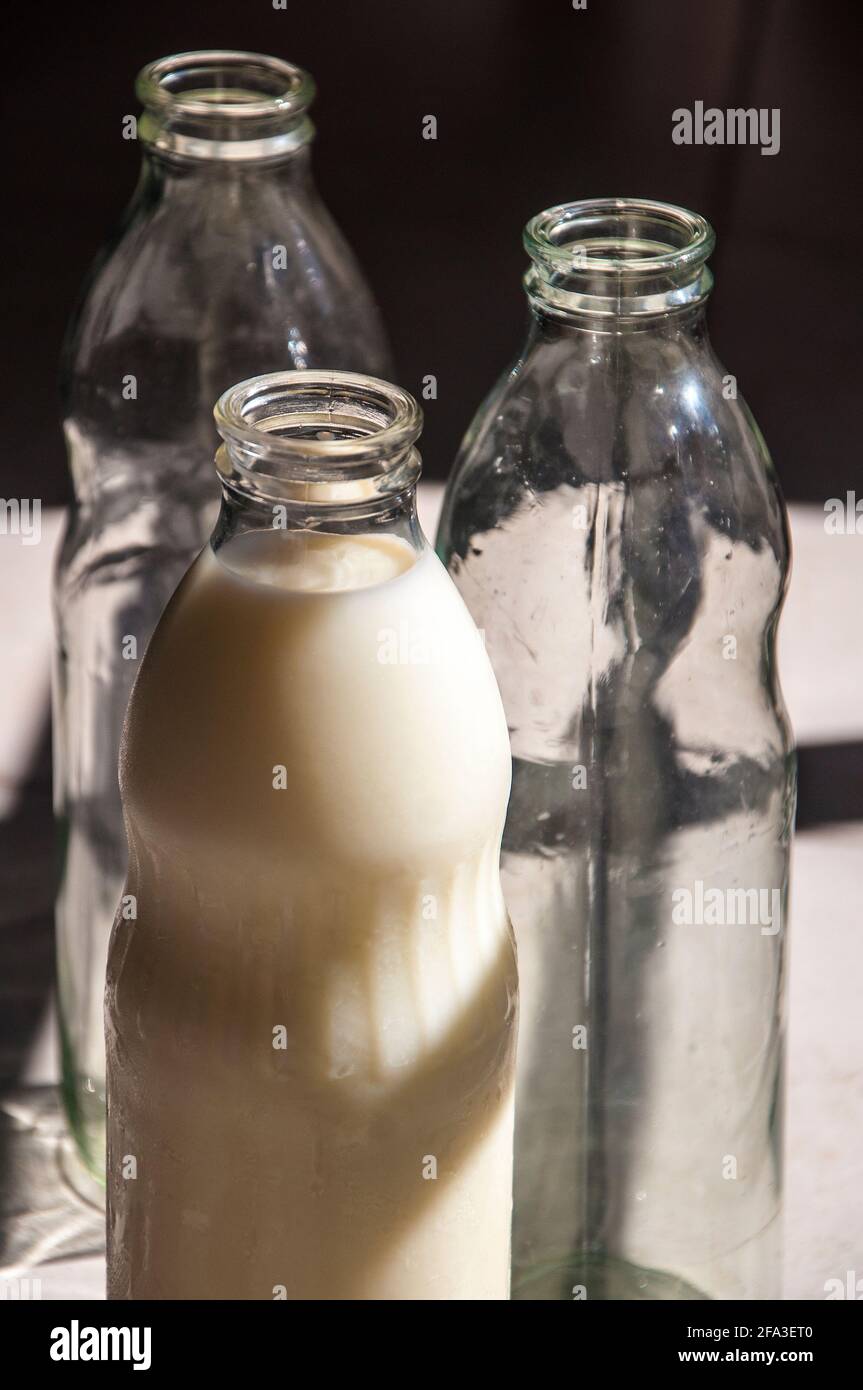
[223, 267]
[615, 527]
[311, 1018]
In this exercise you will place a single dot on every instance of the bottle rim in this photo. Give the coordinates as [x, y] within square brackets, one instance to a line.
[619, 237]
[264, 86]
[313, 425]
[615, 260]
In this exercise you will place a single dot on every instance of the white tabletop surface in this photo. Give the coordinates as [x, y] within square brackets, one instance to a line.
[821, 663]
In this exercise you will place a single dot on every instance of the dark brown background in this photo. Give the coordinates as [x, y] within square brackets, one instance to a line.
[536, 103]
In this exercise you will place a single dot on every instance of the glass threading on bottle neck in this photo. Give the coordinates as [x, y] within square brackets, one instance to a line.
[323, 444]
[607, 260]
[224, 104]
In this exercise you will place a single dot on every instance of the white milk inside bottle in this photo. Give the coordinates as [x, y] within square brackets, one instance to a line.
[311, 1002]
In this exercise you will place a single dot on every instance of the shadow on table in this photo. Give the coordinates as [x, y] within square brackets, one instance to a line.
[831, 784]
[27, 883]
[831, 792]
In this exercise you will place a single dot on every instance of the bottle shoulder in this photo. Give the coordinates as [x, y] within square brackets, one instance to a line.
[197, 266]
[216, 283]
[662, 423]
[377, 702]
[614, 522]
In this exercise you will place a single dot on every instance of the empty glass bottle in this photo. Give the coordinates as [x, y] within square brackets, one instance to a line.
[226, 264]
[615, 527]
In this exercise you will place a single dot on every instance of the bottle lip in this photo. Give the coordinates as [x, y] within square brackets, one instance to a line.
[317, 427]
[268, 86]
[224, 104]
[608, 242]
[621, 257]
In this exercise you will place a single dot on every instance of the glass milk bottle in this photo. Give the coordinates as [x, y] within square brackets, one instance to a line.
[615, 526]
[226, 264]
[311, 999]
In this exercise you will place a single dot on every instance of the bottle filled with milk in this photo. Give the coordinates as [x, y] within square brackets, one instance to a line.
[311, 1002]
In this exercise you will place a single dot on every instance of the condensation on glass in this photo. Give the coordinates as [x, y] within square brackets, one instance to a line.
[226, 264]
[616, 528]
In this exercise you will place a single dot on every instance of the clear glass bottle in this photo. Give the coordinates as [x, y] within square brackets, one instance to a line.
[311, 987]
[226, 264]
[616, 529]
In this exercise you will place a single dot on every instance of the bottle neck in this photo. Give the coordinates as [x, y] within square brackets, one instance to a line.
[552, 324]
[241, 513]
[331, 452]
[618, 265]
[165, 173]
[172, 142]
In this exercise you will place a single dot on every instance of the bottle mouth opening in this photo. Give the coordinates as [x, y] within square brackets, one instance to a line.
[619, 237]
[320, 428]
[618, 257]
[224, 84]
